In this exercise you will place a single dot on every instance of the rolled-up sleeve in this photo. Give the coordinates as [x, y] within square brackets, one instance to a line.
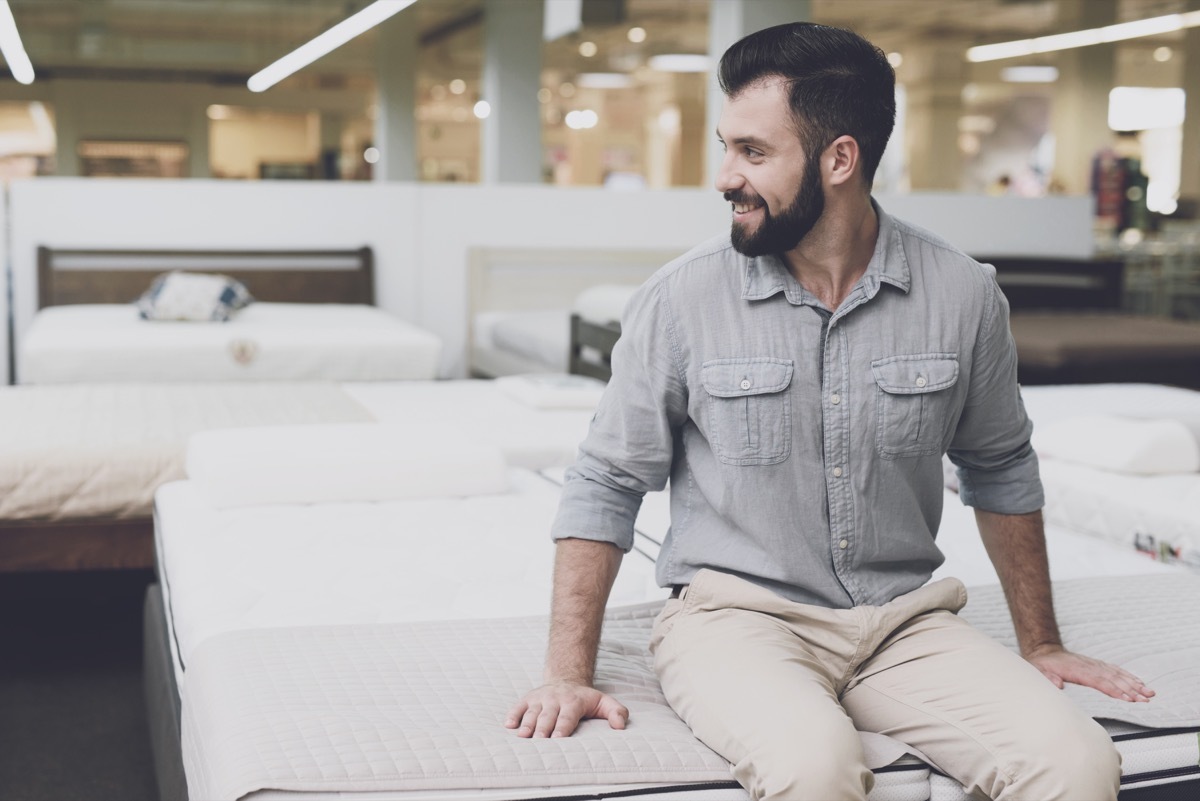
[630, 445]
[997, 467]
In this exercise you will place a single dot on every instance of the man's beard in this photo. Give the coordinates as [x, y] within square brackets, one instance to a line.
[779, 234]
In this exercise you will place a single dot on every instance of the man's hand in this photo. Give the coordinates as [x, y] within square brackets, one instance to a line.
[554, 710]
[1061, 666]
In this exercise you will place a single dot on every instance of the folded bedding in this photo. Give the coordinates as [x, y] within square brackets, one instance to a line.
[1136, 446]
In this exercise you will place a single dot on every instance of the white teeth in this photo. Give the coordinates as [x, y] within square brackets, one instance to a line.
[743, 209]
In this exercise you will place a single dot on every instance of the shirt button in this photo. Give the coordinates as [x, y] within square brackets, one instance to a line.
[835, 399]
[837, 472]
[844, 544]
[921, 381]
[745, 383]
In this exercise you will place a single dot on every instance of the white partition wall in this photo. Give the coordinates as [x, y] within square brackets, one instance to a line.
[422, 234]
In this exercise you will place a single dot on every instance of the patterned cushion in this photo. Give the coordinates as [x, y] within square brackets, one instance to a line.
[193, 296]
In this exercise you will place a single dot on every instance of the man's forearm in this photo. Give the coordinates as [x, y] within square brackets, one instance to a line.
[584, 572]
[1016, 545]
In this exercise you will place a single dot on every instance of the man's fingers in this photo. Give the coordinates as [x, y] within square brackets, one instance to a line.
[529, 720]
[568, 720]
[515, 714]
[546, 720]
[613, 710]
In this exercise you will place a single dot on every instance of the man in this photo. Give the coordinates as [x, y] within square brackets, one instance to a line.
[799, 381]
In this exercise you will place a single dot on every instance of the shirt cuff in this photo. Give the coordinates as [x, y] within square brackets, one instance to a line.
[591, 511]
[1015, 490]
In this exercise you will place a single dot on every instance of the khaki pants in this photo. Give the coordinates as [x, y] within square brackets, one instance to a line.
[778, 688]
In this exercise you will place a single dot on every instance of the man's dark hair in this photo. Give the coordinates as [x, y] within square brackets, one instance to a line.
[838, 84]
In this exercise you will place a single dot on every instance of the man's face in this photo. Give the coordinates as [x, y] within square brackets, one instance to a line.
[773, 186]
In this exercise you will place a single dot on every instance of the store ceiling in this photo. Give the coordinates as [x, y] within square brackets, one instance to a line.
[224, 41]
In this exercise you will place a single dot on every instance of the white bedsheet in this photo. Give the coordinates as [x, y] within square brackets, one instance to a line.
[265, 341]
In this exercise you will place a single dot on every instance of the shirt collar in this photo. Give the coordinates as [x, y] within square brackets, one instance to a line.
[768, 275]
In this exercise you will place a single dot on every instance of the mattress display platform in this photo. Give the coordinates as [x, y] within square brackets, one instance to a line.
[415, 710]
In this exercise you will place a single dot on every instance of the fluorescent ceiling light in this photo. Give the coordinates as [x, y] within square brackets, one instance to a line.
[1138, 108]
[603, 80]
[680, 62]
[11, 47]
[1029, 74]
[328, 41]
[1091, 36]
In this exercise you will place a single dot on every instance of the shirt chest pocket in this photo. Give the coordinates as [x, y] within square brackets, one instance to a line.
[915, 402]
[749, 413]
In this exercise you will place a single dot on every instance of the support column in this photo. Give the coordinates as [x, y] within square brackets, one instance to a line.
[729, 21]
[1080, 114]
[396, 120]
[936, 77]
[512, 75]
[329, 158]
[1189, 175]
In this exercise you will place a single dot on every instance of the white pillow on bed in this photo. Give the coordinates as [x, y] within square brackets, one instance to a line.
[1121, 444]
[194, 297]
[340, 463]
[603, 303]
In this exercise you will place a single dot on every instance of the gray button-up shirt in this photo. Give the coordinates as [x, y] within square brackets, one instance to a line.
[804, 446]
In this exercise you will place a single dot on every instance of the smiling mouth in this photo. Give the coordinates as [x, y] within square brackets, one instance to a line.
[743, 208]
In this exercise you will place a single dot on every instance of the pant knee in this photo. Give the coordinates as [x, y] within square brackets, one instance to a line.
[784, 775]
[1083, 766]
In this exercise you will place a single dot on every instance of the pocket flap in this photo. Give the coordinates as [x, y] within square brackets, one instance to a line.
[732, 378]
[912, 375]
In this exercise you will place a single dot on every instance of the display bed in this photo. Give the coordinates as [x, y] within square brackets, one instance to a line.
[79, 464]
[313, 319]
[321, 650]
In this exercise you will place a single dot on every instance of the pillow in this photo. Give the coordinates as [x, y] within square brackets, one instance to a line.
[1121, 444]
[603, 303]
[195, 297]
[552, 390]
[340, 463]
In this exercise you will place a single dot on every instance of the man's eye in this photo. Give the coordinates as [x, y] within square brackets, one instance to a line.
[753, 154]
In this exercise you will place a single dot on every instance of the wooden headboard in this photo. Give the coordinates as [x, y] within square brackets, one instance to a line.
[69, 276]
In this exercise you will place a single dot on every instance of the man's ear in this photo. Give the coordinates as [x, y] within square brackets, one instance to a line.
[843, 159]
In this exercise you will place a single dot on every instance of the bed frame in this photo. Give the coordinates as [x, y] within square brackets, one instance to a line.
[69, 276]
[73, 276]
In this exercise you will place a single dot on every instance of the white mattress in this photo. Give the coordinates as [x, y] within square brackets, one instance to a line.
[273, 578]
[264, 341]
[277, 566]
[412, 710]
